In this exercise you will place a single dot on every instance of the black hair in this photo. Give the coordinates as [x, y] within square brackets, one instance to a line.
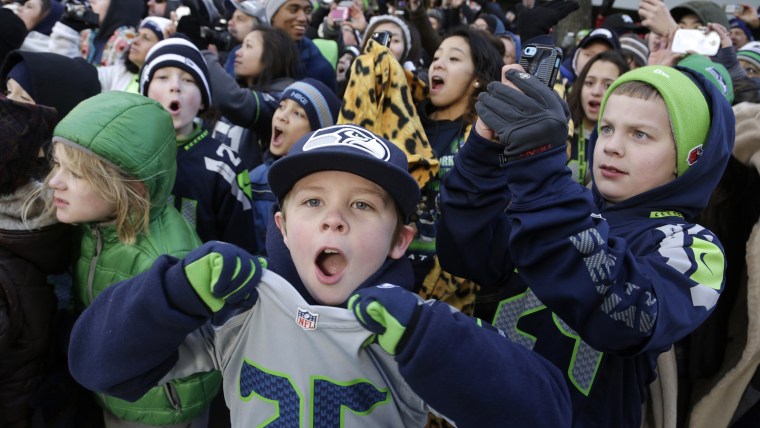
[279, 56]
[486, 59]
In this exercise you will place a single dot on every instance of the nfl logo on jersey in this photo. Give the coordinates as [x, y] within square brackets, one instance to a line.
[306, 319]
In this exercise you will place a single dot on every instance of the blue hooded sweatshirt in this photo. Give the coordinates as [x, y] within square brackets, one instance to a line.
[599, 289]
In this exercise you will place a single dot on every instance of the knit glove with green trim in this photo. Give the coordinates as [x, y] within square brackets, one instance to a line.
[389, 311]
[222, 273]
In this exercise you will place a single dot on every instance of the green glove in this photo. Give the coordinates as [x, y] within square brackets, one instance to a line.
[222, 273]
[388, 311]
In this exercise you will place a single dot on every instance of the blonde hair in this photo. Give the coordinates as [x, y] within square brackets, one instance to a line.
[130, 195]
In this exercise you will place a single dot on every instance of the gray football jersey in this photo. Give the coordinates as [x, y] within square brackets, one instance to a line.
[291, 364]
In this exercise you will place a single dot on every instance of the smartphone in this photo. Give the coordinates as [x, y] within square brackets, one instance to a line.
[732, 8]
[542, 61]
[382, 37]
[696, 41]
[340, 13]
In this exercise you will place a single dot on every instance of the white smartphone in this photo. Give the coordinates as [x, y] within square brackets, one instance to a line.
[696, 41]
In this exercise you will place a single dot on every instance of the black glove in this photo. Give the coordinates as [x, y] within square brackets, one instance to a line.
[528, 122]
[540, 19]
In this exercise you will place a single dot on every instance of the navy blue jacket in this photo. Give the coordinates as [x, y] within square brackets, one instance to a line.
[602, 289]
[213, 191]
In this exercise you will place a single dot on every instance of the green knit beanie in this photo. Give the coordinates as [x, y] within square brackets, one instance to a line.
[686, 104]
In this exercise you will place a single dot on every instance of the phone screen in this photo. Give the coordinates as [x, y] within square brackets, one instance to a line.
[340, 13]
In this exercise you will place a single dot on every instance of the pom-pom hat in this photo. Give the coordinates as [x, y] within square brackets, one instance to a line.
[352, 149]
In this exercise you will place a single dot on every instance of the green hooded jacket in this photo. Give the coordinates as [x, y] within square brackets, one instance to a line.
[135, 134]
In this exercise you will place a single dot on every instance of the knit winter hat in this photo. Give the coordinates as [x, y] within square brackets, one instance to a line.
[157, 25]
[24, 130]
[747, 141]
[715, 72]
[687, 107]
[353, 149]
[271, 7]
[180, 53]
[54, 80]
[379, 19]
[707, 12]
[636, 47]
[253, 8]
[750, 53]
[319, 102]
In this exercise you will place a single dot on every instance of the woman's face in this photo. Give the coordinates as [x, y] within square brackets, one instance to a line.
[31, 13]
[452, 74]
[248, 63]
[140, 46]
[397, 38]
[600, 76]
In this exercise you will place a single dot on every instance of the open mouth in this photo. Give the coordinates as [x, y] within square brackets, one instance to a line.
[436, 82]
[276, 134]
[174, 106]
[330, 262]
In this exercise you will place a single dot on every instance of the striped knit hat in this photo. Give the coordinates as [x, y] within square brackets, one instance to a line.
[177, 52]
[319, 102]
[750, 53]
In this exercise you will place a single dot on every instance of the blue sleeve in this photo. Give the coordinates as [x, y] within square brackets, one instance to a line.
[471, 373]
[624, 294]
[232, 209]
[128, 338]
[241, 106]
[473, 228]
[313, 64]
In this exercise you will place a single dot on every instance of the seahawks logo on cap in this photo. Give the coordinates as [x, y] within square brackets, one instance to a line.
[349, 136]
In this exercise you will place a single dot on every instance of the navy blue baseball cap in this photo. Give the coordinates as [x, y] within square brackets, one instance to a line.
[348, 148]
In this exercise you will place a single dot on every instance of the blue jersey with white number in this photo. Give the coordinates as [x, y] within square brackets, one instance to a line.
[598, 289]
[213, 190]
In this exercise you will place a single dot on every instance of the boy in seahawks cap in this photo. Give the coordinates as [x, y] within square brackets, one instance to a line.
[599, 281]
[287, 330]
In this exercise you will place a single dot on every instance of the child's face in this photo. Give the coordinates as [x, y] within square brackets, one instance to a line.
[340, 229]
[248, 58]
[600, 76]
[452, 75]
[397, 38]
[289, 123]
[75, 198]
[178, 92]
[634, 153]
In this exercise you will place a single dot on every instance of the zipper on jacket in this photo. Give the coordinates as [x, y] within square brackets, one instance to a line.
[93, 264]
[171, 395]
